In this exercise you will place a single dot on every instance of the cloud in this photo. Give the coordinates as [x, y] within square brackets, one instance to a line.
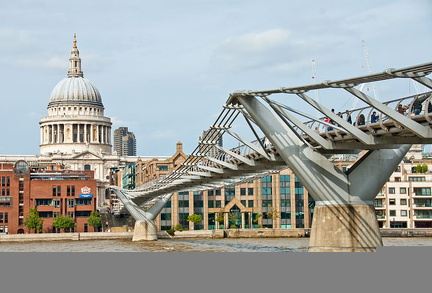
[258, 42]
[117, 121]
[249, 50]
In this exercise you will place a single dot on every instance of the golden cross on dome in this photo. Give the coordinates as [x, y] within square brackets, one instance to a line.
[74, 41]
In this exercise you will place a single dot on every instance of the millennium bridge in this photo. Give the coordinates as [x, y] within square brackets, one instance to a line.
[271, 130]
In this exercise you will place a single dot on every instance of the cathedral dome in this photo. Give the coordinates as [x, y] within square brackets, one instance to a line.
[75, 90]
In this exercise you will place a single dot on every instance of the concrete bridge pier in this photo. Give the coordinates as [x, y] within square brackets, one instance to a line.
[344, 227]
[144, 230]
[344, 217]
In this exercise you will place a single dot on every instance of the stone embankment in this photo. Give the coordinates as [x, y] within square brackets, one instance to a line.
[230, 233]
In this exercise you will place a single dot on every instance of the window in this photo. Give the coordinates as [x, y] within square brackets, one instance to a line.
[397, 179]
[82, 214]
[378, 203]
[392, 201]
[83, 201]
[422, 191]
[5, 181]
[56, 203]
[416, 179]
[165, 217]
[284, 178]
[285, 202]
[183, 203]
[70, 203]
[56, 190]
[250, 191]
[5, 191]
[250, 203]
[210, 203]
[43, 202]
[391, 190]
[162, 167]
[266, 179]
[46, 214]
[267, 203]
[242, 191]
[4, 218]
[392, 213]
[403, 202]
[403, 190]
[70, 190]
[285, 190]
[266, 191]
[229, 191]
[403, 213]
[87, 168]
[198, 203]
[5, 201]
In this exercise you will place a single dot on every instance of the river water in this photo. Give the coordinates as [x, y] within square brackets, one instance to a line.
[189, 245]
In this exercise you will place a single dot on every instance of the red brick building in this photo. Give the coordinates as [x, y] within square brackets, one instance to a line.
[49, 188]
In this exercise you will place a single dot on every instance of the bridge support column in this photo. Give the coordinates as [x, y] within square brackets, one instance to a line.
[344, 227]
[144, 230]
[344, 218]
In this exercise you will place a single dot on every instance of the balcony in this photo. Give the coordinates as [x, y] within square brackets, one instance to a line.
[424, 206]
[423, 217]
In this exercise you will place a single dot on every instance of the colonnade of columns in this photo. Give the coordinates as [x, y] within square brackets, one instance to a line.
[75, 133]
[244, 221]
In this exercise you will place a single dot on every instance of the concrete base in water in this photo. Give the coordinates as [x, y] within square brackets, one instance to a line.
[344, 228]
[145, 231]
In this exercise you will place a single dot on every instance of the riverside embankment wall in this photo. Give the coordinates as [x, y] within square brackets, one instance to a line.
[230, 233]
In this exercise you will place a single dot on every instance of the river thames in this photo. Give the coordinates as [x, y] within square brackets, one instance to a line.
[190, 245]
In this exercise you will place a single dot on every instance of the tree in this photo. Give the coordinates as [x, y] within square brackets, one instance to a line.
[421, 168]
[232, 217]
[273, 214]
[63, 222]
[194, 218]
[33, 221]
[257, 217]
[94, 220]
[220, 217]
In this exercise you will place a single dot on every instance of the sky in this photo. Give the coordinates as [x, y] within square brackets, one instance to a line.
[165, 68]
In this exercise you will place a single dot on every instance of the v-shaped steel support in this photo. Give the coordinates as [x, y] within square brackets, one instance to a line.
[343, 200]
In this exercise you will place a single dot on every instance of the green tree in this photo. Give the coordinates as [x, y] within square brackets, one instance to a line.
[256, 218]
[94, 220]
[33, 221]
[273, 214]
[63, 222]
[421, 168]
[220, 217]
[232, 217]
[178, 227]
[194, 218]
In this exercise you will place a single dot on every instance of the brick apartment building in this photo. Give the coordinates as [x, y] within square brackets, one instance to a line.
[50, 189]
